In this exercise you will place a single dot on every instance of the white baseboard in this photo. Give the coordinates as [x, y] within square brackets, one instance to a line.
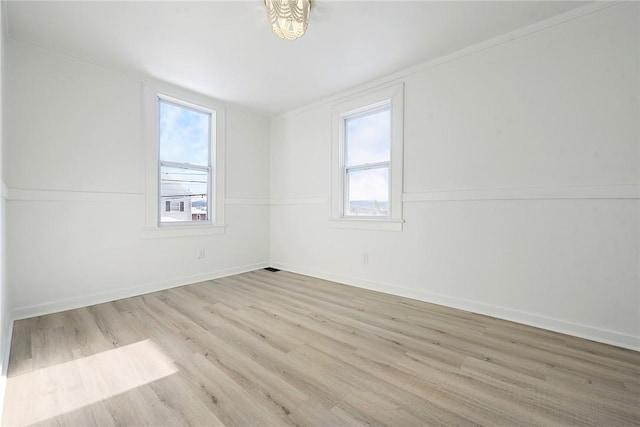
[531, 319]
[102, 297]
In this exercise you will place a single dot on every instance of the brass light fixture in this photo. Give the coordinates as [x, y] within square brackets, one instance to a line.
[288, 18]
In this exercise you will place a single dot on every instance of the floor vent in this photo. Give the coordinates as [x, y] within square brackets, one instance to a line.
[271, 269]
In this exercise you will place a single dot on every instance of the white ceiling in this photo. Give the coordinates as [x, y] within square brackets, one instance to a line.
[226, 49]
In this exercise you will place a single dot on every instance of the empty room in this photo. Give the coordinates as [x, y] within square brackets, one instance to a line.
[319, 213]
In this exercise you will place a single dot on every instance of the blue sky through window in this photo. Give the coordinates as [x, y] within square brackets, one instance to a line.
[184, 134]
[369, 137]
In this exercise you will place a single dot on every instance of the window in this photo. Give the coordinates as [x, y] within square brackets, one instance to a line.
[367, 161]
[184, 179]
[184, 141]
[367, 146]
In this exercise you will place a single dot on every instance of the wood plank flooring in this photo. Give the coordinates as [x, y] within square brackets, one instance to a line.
[281, 349]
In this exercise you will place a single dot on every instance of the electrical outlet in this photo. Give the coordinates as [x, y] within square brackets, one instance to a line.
[200, 254]
[365, 257]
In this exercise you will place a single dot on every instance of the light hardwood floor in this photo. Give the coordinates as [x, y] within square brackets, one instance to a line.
[271, 349]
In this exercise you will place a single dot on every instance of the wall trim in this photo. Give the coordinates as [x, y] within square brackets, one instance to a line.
[102, 297]
[41, 195]
[397, 77]
[531, 319]
[623, 191]
[530, 193]
[30, 195]
[247, 201]
[301, 200]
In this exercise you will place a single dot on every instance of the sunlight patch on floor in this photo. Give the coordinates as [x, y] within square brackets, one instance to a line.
[69, 386]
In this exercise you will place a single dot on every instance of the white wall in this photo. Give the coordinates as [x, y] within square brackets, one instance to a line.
[74, 165]
[521, 180]
[5, 318]
[521, 173]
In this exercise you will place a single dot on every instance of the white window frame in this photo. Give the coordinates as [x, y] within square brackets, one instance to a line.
[153, 93]
[393, 96]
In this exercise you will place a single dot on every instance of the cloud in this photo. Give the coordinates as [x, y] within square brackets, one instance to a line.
[371, 184]
[184, 134]
[369, 138]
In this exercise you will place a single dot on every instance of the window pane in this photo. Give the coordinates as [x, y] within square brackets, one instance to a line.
[184, 134]
[368, 137]
[183, 194]
[368, 192]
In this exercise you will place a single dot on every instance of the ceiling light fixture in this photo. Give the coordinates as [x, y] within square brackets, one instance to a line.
[289, 18]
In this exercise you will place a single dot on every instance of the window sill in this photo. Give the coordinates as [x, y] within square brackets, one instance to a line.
[367, 224]
[185, 231]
